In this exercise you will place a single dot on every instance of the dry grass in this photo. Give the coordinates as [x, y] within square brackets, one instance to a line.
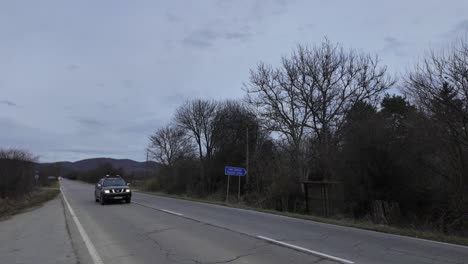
[347, 222]
[9, 207]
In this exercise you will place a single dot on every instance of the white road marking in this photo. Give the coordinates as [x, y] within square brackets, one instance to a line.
[170, 212]
[159, 209]
[306, 250]
[89, 245]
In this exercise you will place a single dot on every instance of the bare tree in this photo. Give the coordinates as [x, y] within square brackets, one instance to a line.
[168, 144]
[272, 91]
[197, 117]
[313, 90]
[273, 94]
[331, 80]
[439, 86]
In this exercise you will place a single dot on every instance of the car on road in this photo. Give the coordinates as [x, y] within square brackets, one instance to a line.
[112, 189]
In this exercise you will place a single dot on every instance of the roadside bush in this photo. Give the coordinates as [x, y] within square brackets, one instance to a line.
[16, 172]
[152, 184]
[12, 206]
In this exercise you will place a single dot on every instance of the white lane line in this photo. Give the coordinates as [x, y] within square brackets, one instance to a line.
[159, 209]
[89, 245]
[306, 250]
[170, 212]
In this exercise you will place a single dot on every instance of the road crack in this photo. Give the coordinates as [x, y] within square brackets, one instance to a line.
[159, 230]
[230, 260]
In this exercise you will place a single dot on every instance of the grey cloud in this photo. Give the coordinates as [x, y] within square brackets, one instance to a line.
[237, 35]
[257, 10]
[306, 27]
[8, 103]
[200, 39]
[460, 29]
[394, 46]
[196, 43]
[393, 41]
[73, 67]
[106, 105]
[172, 18]
[18, 135]
[84, 150]
[416, 21]
[206, 38]
[462, 26]
[223, 3]
[176, 98]
[273, 7]
[89, 122]
[127, 84]
[242, 34]
[146, 126]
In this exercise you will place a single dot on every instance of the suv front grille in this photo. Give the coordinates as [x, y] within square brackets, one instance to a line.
[117, 190]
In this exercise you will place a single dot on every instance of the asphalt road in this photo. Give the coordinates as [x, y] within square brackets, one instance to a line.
[156, 229]
[37, 236]
[131, 233]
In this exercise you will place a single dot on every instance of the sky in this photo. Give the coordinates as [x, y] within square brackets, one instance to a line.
[83, 79]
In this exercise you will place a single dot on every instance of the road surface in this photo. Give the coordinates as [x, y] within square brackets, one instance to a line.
[359, 246]
[132, 233]
[156, 229]
[37, 236]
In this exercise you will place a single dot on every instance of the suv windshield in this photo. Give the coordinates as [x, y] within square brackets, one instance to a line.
[113, 182]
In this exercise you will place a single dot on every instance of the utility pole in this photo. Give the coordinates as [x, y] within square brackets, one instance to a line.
[147, 166]
[247, 155]
[238, 191]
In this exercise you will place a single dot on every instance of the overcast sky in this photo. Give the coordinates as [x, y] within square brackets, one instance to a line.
[82, 79]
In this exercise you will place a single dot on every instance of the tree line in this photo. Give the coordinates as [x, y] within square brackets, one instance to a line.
[330, 114]
[95, 174]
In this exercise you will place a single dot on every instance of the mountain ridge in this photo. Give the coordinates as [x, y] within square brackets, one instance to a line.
[128, 165]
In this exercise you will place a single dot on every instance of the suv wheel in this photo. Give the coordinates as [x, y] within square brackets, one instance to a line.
[129, 200]
[103, 202]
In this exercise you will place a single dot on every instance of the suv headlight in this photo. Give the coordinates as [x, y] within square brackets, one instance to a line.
[106, 191]
[127, 190]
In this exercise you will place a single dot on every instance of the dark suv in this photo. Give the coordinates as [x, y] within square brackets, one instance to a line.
[112, 189]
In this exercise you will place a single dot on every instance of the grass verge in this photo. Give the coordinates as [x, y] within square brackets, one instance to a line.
[9, 207]
[346, 222]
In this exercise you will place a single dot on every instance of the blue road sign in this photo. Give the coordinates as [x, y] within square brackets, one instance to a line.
[234, 171]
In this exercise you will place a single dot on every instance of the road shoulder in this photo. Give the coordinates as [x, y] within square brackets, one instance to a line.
[37, 236]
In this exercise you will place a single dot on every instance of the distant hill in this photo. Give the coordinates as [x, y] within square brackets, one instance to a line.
[127, 165]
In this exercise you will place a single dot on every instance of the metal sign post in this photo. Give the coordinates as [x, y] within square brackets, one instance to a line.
[234, 171]
[227, 189]
[238, 191]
